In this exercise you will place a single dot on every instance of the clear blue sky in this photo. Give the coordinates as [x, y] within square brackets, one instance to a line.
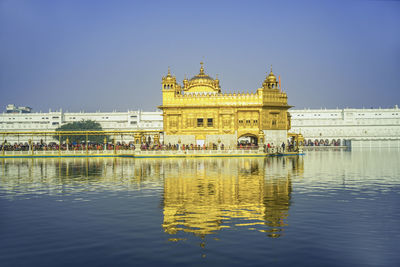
[106, 55]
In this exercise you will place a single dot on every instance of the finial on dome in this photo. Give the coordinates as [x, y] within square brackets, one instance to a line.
[216, 76]
[271, 68]
[201, 68]
[169, 71]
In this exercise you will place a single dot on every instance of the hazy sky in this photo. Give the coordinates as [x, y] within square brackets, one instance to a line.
[111, 55]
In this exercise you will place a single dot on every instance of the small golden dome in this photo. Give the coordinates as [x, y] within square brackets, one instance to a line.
[271, 78]
[169, 79]
[202, 81]
[169, 76]
[201, 77]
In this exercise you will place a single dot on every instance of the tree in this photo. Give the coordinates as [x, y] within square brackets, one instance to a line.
[83, 125]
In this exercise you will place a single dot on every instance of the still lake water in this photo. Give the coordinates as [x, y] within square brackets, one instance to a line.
[326, 208]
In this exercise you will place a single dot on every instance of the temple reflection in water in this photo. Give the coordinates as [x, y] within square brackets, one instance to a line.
[204, 196]
[200, 196]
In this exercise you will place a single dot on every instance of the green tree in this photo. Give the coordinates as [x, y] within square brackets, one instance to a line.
[83, 125]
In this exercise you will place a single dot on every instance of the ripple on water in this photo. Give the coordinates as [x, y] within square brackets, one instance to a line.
[314, 210]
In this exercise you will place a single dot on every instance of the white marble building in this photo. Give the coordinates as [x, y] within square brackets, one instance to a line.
[364, 127]
[110, 121]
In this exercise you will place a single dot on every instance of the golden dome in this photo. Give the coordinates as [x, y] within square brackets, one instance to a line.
[169, 76]
[271, 77]
[202, 83]
[169, 81]
[270, 81]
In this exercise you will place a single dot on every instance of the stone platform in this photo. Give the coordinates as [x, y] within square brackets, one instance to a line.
[144, 154]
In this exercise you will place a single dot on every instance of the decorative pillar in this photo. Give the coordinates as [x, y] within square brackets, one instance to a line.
[142, 139]
[4, 143]
[300, 139]
[30, 144]
[261, 140]
[59, 143]
[87, 149]
[157, 139]
[137, 137]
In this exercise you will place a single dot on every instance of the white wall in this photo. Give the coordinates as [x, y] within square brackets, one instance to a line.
[31, 122]
[365, 124]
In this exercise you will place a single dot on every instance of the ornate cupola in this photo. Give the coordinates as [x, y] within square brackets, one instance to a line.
[217, 83]
[202, 83]
[270, 82]
[169, 83]
[185, 83]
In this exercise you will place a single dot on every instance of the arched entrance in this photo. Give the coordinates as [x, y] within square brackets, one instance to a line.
[200, 140]
[248, 140]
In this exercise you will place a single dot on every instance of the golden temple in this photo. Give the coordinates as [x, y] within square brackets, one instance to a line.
[197, 112]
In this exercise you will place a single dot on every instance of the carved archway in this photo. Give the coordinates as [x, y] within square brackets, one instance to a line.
[248, 138]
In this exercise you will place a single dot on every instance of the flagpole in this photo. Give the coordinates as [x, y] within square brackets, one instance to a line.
[280, 82]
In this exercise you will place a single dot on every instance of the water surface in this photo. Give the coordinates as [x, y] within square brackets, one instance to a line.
[327, 208]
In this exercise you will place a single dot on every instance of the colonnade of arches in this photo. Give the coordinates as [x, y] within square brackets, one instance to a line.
[323, 142]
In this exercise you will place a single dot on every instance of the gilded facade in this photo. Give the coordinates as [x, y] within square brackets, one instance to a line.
[197, 112]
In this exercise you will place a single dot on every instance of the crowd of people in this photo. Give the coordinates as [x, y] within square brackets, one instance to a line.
[43, 146]
[53, 146]
[284, 147]
[322, 142]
